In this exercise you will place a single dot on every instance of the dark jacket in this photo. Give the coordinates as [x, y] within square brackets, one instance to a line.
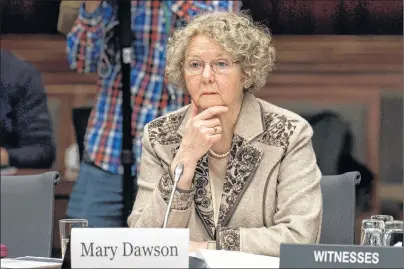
[25, 124]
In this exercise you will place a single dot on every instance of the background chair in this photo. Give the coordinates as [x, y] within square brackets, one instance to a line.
[338, 226]
[27, 214]
[334, 145]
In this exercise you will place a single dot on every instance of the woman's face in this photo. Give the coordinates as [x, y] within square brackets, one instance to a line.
[221, 85]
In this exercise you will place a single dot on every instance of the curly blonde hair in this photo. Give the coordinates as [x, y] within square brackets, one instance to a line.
[249, 42]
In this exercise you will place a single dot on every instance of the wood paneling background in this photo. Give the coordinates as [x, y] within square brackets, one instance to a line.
[343, 69]
[318, 69]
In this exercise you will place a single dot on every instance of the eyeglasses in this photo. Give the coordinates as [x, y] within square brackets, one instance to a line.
[221, 66]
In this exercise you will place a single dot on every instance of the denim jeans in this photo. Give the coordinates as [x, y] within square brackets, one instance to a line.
[97, 197]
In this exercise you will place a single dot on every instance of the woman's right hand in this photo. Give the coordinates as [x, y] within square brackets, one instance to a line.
[201, 132]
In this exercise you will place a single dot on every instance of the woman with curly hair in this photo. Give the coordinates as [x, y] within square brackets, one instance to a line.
[250, 180]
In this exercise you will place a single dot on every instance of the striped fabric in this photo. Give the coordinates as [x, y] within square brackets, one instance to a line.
[92, 47]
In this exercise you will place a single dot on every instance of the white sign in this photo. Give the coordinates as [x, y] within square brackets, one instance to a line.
[129, 248]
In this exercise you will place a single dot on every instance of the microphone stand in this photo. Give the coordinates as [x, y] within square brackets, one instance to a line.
[129, 188]
[178, 171]
[194, 262]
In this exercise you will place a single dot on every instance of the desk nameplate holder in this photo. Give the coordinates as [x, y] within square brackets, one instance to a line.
[340, 256]
[129, 248]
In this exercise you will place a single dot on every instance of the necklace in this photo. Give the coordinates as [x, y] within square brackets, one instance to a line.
[217, 155]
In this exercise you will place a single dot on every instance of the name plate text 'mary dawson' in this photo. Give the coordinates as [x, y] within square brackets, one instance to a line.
[129, 248]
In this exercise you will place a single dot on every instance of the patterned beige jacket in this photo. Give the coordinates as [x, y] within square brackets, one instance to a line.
[271, 193]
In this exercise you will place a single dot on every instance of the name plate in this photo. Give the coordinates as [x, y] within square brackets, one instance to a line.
[129, 248]
[340, 256]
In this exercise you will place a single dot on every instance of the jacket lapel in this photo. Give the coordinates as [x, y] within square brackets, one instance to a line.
[244, 157]
[203, 196]
[244, 160]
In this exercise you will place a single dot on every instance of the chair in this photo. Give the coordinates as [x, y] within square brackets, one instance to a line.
[338, 225]
[334, 145]
[27, 214]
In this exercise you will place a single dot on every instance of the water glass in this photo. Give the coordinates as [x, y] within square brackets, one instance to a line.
[372, 232]
[393, 233]
[382, 217]
[65, 228]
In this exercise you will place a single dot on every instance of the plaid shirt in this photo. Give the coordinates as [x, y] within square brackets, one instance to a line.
[92, 47]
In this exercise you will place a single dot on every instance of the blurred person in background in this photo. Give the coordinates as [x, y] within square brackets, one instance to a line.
[26, 136]
[92, 46]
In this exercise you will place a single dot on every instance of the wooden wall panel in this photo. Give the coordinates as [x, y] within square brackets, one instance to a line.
[306, 65]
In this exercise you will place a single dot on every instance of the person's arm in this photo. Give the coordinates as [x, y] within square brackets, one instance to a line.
[188, 9]
[88, 37]
[33, 124]
[155, 184]
[156, 180]
[299, 205]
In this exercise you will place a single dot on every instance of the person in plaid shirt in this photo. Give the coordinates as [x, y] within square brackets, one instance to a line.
[92, 46]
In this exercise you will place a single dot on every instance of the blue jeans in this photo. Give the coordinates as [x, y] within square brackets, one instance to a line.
[97, 197]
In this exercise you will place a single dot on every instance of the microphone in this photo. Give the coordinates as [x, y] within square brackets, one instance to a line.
[194, 262]
[178, 171]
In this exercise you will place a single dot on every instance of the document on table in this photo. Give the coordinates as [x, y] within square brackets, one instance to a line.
[31, 262]
[236, 259]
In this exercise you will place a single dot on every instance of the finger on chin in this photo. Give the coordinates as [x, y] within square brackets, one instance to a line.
[212, 112]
